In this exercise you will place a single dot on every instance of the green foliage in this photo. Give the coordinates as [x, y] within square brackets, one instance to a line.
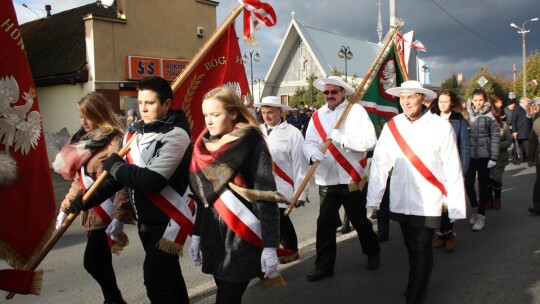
[309, 95]
[533, 72]
[497, 85]
[452, 84]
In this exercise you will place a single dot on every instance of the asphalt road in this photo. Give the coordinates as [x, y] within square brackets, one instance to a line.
[500, 264]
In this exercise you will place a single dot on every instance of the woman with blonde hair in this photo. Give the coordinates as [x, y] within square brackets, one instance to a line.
[231, 169]
[81, 160]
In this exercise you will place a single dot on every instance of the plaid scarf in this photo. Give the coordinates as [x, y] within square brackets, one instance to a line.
[80, 148]
[216, 161]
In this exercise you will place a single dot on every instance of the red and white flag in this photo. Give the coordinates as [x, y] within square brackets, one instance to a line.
[418, 45]
[255, 10]
[533, 82]
[26, 192]
[222, 65]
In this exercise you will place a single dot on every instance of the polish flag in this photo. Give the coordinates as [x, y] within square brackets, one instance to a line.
[418, 45]
[533, 82]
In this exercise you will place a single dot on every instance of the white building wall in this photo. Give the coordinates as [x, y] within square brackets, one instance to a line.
[58, 107]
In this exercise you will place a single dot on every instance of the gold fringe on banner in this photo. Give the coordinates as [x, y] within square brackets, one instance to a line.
[170, 246]
[15, 260]
[37, 282]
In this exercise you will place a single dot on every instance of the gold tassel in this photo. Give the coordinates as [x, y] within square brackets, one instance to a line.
[170, 247]
[37, 281]
[121, 242]
[278, 281]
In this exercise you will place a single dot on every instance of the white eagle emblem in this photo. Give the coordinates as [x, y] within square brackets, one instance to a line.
[388, 79]
[17, 126]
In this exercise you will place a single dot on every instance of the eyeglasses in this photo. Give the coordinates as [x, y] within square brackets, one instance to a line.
[332, 92]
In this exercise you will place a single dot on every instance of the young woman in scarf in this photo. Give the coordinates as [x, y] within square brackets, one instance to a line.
[81, 160]
[237, 221]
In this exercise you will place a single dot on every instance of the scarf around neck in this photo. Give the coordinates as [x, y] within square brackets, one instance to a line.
[80, 148]
[216, 162]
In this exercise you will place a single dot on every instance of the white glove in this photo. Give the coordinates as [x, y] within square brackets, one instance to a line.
[115, 227]
[491, 164]
[60, 219]
[370, 211]
[318, 156]
[269, 261]
[195, 250]
[337, 136]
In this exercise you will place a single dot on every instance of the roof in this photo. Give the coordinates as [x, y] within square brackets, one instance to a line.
[56, 47]
[324, 47]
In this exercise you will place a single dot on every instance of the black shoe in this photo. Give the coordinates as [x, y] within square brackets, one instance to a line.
[534, 211]
[373, 262]
[345, 229]
[319, 274]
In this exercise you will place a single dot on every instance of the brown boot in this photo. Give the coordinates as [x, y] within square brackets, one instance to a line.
[440, 241]
[497, 204]
[489, 204]
[450, 241]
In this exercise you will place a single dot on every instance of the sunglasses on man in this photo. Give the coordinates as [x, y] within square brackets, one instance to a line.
[332, 92]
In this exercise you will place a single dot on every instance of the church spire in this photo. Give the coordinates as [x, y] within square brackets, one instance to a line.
[379, 23]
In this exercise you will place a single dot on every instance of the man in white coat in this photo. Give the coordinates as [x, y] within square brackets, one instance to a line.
[341, 173]
[421, 148]
[285, 143]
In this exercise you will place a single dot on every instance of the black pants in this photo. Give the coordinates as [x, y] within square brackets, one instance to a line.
[478, 165]
[418, 243]
[98, 263]
[332, 197]
[536, 190]
[230, 293]
[446, 225]
[162, 274]
[287, 233]
[383, 214]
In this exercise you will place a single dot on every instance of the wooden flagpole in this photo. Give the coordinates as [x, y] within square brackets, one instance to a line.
[205, 48]
[359, 94]
[71, 217]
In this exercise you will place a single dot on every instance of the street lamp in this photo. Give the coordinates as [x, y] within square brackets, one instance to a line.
[425, 69]
[24, 5]
[345, 53]
[523, 32]
[259, 81]
[253, 55]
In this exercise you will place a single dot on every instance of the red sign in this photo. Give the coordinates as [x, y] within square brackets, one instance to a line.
[138, 67]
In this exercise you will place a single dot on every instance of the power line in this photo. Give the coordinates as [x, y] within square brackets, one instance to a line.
[469, 29]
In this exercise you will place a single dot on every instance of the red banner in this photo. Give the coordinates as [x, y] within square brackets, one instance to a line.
[27, 201]
[222, 65]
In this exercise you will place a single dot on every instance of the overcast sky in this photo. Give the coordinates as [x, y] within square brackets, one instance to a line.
[460, 35]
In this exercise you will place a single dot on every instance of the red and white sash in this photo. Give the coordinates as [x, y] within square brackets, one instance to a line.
[414, 159]
[105, 211]
[241, 220]
[179, 208]
[356, 175]
[283, 175]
